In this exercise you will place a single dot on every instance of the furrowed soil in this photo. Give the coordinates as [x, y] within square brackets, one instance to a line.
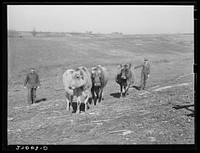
[163, 113]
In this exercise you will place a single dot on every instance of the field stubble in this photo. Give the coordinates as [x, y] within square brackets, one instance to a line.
[143, 117]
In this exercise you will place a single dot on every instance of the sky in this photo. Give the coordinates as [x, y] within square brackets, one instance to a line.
[128, 19]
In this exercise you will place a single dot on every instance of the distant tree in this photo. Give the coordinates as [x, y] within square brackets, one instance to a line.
[115, 33]
[34, 32]
[89, 32]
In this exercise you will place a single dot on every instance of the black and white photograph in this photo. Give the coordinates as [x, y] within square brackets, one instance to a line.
[100, 75]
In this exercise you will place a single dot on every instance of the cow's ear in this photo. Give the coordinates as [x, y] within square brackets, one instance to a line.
[71, 71]
[119, 67]
[92, 71]
[84, 69]
[99, 66]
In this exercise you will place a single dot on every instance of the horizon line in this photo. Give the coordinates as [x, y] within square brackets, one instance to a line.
[91, 32]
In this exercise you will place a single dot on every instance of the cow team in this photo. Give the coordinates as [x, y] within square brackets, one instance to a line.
[84, 84]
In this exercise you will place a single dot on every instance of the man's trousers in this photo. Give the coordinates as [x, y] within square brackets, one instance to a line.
[144, 78]
[31, 95]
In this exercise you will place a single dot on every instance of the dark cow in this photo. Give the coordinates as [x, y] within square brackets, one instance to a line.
[77, 83]
[99, 76]
[125, 78]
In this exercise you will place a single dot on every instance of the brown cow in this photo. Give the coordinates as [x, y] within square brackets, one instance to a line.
[77, 83]
[99, 77]
[125, 78]
[67, 78]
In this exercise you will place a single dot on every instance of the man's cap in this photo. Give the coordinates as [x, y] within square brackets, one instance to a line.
[145, 59]
[32, 69]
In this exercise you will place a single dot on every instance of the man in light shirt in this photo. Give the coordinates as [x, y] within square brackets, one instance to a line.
[145, 73]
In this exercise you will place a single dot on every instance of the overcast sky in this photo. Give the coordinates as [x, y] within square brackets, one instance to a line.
[128, 19]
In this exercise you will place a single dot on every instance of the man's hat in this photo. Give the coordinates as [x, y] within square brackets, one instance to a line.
[145, 59]
[32, 69]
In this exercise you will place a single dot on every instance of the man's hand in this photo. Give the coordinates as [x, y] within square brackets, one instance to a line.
[24, 87]
[148, 76]
[38, 87]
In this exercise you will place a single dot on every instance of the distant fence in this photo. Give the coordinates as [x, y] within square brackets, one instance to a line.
[19, 34]
[12, 33]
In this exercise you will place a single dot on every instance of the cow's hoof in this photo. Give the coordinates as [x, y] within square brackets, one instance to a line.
[88, 107]
[78, 112]
[73, 111]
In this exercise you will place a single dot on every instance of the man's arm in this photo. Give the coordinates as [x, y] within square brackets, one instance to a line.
[148, 72]
[38, 81]
[26, 80]
[139, 66]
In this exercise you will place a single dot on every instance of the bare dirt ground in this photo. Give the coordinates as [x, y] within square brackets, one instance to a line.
[161, 114]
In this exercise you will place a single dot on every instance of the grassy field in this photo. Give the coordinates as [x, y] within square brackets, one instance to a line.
[143, 117]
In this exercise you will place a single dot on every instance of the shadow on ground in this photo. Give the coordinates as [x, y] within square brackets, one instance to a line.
[183, 106]
[40, 100]
[190, 115]
[136, 87]
[115, 94]
[186, 107]
[118, 95]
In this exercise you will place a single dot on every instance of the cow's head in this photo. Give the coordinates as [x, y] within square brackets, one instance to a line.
[78, 78]
[125, 71]
[96, 76]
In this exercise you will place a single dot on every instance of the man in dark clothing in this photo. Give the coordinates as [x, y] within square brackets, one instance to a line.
[32, 82]
[145, 73]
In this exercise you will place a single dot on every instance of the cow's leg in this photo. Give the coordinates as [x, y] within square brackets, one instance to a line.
[126, 90]
[95, 97]
[71, 101]
[67, 101]
[100, 95]
[121, 90]
[85, 102]
[95, 100]
[92, 91]
[78, 104]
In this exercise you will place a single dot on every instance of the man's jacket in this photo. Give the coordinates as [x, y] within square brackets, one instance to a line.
[32, 80]
[145, 68]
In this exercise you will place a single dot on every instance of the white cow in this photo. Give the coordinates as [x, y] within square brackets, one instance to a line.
[77, 83]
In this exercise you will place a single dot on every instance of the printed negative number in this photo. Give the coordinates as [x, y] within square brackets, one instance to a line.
[28, 148]
[45, 147]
